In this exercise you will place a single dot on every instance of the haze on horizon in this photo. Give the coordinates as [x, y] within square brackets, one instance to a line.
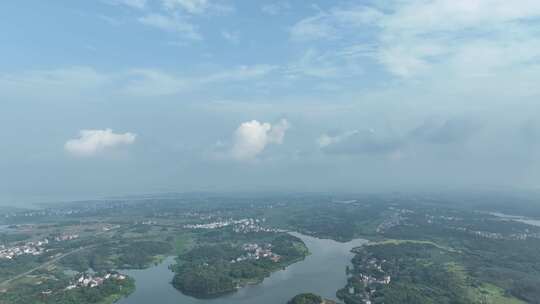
[114, 97]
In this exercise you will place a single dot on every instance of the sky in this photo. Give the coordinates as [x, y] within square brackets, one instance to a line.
[113, 97]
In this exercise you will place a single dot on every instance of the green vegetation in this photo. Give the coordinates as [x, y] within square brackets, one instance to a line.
[182, 243]
[136, 254]
[442, 255]
[493, 252]
[306, 298]
[341, 222]
[51, 290]
[420, 272]
[9, 238]
[209, 270]
[436, 248]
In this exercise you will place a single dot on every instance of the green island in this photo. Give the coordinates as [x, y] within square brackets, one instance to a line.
[218, 266]
[309, 298]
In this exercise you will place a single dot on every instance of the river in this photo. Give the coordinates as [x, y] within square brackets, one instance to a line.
[322, 272]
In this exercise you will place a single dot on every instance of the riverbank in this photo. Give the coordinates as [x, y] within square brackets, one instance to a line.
[322, 272]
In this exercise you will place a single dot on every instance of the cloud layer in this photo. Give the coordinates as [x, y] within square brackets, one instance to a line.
[93, 142]
[370, 142]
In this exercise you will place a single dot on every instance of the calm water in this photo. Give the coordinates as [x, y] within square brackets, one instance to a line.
[323, 273]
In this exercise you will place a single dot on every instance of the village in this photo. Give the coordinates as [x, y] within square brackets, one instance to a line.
[364, 285]
[32, 248]
[246, 225]
[256, 252]
[91, 281]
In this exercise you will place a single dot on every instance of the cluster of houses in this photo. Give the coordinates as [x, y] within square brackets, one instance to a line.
[364, 285]
[29, 248]
[253, 225]
[66, 237]
[499, 236]
[397, 218]
[89, 280]
[256, 252]
[213, 225]
[239, 226]
[368, 280]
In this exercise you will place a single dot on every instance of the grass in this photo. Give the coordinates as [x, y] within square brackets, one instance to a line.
[486, 293]
[491, 294]
[399, 242]
[183, 243]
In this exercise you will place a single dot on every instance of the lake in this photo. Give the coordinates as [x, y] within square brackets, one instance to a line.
[323, 273]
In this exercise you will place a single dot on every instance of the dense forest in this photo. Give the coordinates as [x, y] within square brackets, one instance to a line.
[306, 298]
[207, 271]
[126, 255]
[109, 292]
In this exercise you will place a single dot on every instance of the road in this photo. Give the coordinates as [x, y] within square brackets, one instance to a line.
[44, 265]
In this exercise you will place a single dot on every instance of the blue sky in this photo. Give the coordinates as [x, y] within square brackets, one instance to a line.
[111, 97]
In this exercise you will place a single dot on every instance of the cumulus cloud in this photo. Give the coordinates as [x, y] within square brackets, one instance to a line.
[93, 142]
[252, 137]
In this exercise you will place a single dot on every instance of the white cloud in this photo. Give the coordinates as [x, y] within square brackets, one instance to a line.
[423, 37]
[138, 4]
[94, 142]
[420, 35]
[191, 6]
[153, 82]
[326, 140]
[277, 132]
[312, 28]
[47, 85]
[197, 7]
[335, 23]
[83, 83]
[252, 137]
[148, 83]
[243, 72]
[314, 63]
[450, 15]
[172, 24]
[366, 142]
